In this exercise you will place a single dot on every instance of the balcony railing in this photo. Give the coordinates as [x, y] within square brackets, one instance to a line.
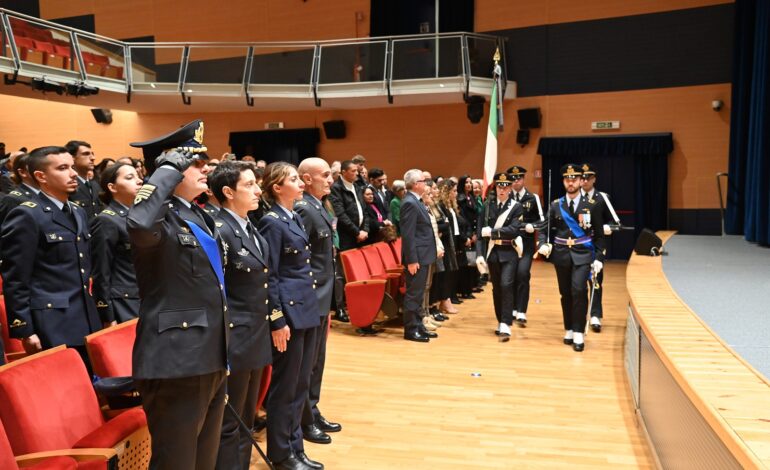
[384, 66]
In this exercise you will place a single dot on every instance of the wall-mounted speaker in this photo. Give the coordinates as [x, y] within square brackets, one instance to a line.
[522, 137]
[475, 108]
[334, 129]
[648, 244]
[529, 118]
[102, 116]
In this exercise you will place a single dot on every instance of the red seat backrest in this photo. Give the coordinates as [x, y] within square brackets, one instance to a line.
[44, 46]
[6, 453]
[26, 43]
[396, 247]
[386, 254]
[354, 264]
[373, 260]
[48, 401]
[100, 59]
[110, 350]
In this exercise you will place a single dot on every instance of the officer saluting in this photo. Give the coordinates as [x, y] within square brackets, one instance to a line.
[532, 216]
[179, 358]
[603, 206]
[499, 229]
[235, 186]
[577, 250]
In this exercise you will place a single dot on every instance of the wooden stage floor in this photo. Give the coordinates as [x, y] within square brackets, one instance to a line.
[536, 403]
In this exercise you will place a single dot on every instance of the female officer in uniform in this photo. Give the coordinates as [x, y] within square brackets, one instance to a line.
[293, 316]
[115, 290]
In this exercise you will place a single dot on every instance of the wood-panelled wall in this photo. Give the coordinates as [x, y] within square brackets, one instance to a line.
[492, 15]
[438, 138]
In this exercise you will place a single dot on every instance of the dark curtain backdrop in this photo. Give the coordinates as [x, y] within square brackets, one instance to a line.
[285, 145]
[631, 169]
[748, 190]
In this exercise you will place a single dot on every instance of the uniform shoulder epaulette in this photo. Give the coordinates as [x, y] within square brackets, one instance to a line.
[555, 201]
[219, 224]
[28, 204]
[273, 214]
[300, 203]
[15, 193]
[108, 212]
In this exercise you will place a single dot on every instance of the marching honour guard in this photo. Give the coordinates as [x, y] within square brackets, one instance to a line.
[575, 249]
[604, 206]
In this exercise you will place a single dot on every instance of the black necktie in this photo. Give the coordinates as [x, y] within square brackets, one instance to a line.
[517, 197]
[70, 215]
[572, 206]
[250, 232]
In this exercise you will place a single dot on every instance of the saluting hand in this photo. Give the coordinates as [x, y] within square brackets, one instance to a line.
[281, 337]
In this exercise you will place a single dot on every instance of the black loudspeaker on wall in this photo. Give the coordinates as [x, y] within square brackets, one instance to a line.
[334, 129]
[475, 108]
[102, 116]
[522, 137]
[648, 244]
[529, 118]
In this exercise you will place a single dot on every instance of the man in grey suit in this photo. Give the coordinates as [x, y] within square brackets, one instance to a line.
[418, 252]
[317, 176]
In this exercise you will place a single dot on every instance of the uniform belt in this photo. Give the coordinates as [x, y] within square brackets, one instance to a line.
[572, 241]
[502, 242]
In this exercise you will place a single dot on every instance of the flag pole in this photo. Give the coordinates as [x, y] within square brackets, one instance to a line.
[495, 124]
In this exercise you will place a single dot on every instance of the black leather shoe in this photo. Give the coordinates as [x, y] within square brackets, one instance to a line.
[477, 290]
[567, 341]
[497, 332]
[291, 463]
[579, 347]
[259, 424]
[416, 336]
[596, 328]
[468, 296]
[327, 426]
[368, 331]
[310, 463]
[313, 434]
[429, 334]
[439, 316]
[342, 315]
[456, 301]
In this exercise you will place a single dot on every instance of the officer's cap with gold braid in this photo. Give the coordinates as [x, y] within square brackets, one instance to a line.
[503, 179]
[188, 138]
[570, 170]
[516, 172]
[588, 170]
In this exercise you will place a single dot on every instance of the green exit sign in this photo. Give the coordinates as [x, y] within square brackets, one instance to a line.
[605, 125]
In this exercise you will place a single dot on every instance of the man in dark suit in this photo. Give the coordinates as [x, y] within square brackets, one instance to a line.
[609, 216]
[379, 184]
[578, 250]
[46, 273]
[418, 252]
[235, 186]
[87, 194]
[532, 217]
[317, 176]
[179, 357]
[352, 221]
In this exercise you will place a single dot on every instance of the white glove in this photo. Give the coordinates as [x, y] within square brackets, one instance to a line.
[607, 229]
[529, 228]
[597, 266]
[519, 246]
[545, 249]
[486, 231]
[481, 265]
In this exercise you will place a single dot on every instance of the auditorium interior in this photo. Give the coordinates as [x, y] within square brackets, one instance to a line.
[668, 101]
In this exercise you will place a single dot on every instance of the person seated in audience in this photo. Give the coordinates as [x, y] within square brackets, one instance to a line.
[114, 279]
[376, 219]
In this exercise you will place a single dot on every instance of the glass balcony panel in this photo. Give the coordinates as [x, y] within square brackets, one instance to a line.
[422, 59]
[352, 63]
[101, 58]
[212, 64]
[480, 54]
[282, 65]
[42, 47]
[155, 68]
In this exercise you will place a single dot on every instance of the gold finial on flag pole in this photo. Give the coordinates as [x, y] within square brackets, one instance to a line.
[496, 57]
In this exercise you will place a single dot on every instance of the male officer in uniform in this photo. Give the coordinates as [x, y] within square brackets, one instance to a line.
[418, 252]
[532, 217]
[578, 250]
[603, 206]
[499, 227]
[47, 261]
[317, 176]
[25, 190]
[87, 194]
[235, 186]
[179, 358]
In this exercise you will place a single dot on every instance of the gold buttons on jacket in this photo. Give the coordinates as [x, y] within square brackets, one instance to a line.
[232, 325]
[266, 301]
[49, 306]
[184, 324]
[291, 302]
[265, 269]
[311, 273]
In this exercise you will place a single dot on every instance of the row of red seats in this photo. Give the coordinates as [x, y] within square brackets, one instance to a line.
[38, 45]
[374, 281]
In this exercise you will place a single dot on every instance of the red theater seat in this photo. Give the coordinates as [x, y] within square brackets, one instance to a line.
[13, 348]
[110, 349]
[396, 249]
[378, 271]
[51, 58]
[47, 403]
[364, 295]
[33, 461]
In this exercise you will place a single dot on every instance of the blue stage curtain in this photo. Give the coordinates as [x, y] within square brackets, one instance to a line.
[748, 191]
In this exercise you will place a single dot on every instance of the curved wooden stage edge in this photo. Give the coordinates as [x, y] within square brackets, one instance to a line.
[701, 405]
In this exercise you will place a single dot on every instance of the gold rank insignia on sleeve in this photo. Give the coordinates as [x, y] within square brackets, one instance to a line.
[15, 193]
[144, 193]
[17, 323]
[101, 304]
[28, 204]
[276, 315]
[108, 212]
